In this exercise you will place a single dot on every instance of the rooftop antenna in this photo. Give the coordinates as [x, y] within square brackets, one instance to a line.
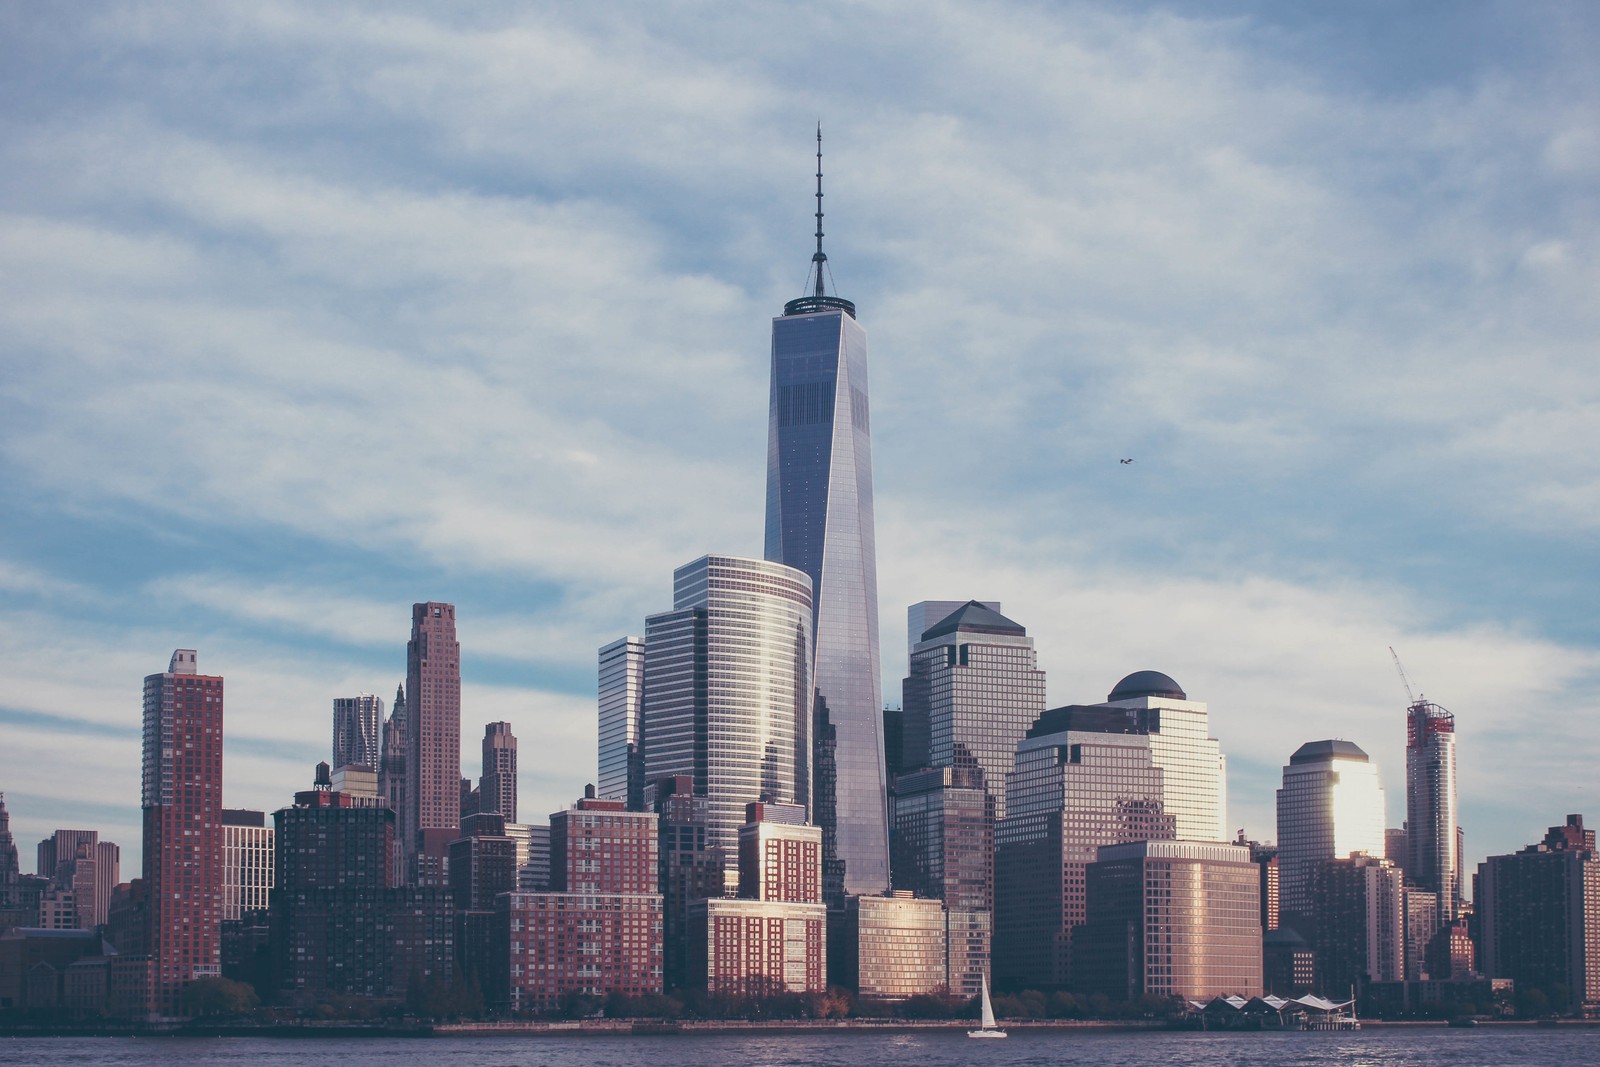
[817, 299]
[821, 257]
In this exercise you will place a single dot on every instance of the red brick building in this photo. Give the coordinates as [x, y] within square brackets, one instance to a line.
[599, 929]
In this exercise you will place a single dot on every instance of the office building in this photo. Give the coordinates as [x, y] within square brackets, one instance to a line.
[889, 947]
[432, 817]
[249, 862]
[944, 850]
[691, 868]
[621, 711]
[1170, 919]
[598, 930]
[392, 777]
[1193, 770]
[819, 519]
[1433, 858]
[1330, 806]
[1539, 918]
[973, 691]
[357, 722]
[497, 789]
[1357, 923]
[181, 797]
[1083, 778]
[727, 689]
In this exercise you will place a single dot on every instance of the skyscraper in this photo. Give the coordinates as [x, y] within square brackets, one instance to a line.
[1194, 785]
[974, 689]
[498, 786]
[182, 800]
[621, 697]
[1330, 807]
[820, 520]
[433, 739]
[356, 722]
[1432, 859]
[249, 862]
[1084, 778]
[727, 690]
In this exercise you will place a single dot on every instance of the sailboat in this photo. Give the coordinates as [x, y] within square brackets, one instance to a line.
[987, 1028]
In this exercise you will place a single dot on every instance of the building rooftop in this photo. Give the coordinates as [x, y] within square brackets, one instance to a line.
[1322, 751]
[1147, 684]
[973, 617]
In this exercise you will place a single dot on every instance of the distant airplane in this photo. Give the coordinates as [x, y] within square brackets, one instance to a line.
[1124, 461]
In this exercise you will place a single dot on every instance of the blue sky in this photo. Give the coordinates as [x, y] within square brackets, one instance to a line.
[315, 311]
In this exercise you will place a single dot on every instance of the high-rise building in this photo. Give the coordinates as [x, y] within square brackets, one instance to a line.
[339, 924]
[356, 724]
[820, 520]
[181, 795]
[1193, 769]
[249, 862]
[889, 947]
[598, 929]
[690, 868]
[78, 863]
[772, 938]
[1083, 778]
[1539, 918]
[924, 613]
[1170, 919]
[1432, 860]
[973, 691]
[944, 850]
[497, 789]
[433, 740]
[727, 690]
[1357, 922]
[621, 707]
[1330, 806]
[392, 775]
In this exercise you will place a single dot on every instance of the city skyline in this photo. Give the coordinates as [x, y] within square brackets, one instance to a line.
[323, 345]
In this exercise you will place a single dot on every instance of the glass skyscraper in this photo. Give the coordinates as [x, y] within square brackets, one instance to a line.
[1433, 859]
[727, 690]
[1194, 782]
[819, 520]
[621, 688]
[1330, 806]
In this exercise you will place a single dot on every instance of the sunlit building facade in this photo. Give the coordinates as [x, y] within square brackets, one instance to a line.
[1433, 858]
[727, 690]
[1330, 806]
[621, 705]
[1193, 770]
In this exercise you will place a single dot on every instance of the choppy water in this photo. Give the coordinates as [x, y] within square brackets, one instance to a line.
[1421, 1047]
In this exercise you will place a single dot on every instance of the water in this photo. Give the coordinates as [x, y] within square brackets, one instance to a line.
[1409, 1047]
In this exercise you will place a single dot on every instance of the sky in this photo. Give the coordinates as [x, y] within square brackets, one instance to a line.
[315, 311]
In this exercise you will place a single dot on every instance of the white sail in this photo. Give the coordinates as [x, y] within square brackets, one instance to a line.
[988, 1008]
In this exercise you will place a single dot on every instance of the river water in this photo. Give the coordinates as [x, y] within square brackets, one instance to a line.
[1377, 1047]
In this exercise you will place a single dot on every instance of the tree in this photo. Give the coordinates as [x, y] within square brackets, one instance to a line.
[212, 997]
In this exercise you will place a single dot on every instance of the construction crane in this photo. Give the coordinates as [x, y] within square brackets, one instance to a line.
[1412, 697]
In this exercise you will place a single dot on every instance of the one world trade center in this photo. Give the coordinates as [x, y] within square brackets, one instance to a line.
[819, 520]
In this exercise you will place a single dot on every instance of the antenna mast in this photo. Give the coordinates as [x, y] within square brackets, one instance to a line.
[820, 259]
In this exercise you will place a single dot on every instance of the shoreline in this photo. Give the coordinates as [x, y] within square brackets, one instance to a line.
[683, 1027]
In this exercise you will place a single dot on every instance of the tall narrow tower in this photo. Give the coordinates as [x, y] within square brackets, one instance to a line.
[356, 724]
[819, 520]
[433, 738]
[498, 786]
[1433, 859]
[182, 799]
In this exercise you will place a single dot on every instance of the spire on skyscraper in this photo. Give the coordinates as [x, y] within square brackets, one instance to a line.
[817, 299]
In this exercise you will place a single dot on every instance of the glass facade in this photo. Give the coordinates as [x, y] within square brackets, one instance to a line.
[356, 721]
[1330, 806]
[975, 689]
[1432, 858]
[1192, 764]
[621, 700]
[727, 690]
[1072, 791]
[819, 519]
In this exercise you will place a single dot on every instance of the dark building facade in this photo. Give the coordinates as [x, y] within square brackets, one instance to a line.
[1539, 916]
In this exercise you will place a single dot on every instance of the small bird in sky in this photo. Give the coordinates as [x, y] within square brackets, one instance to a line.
[1124, 461]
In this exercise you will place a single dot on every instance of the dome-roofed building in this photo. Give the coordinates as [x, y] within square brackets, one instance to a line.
[1147, 684]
